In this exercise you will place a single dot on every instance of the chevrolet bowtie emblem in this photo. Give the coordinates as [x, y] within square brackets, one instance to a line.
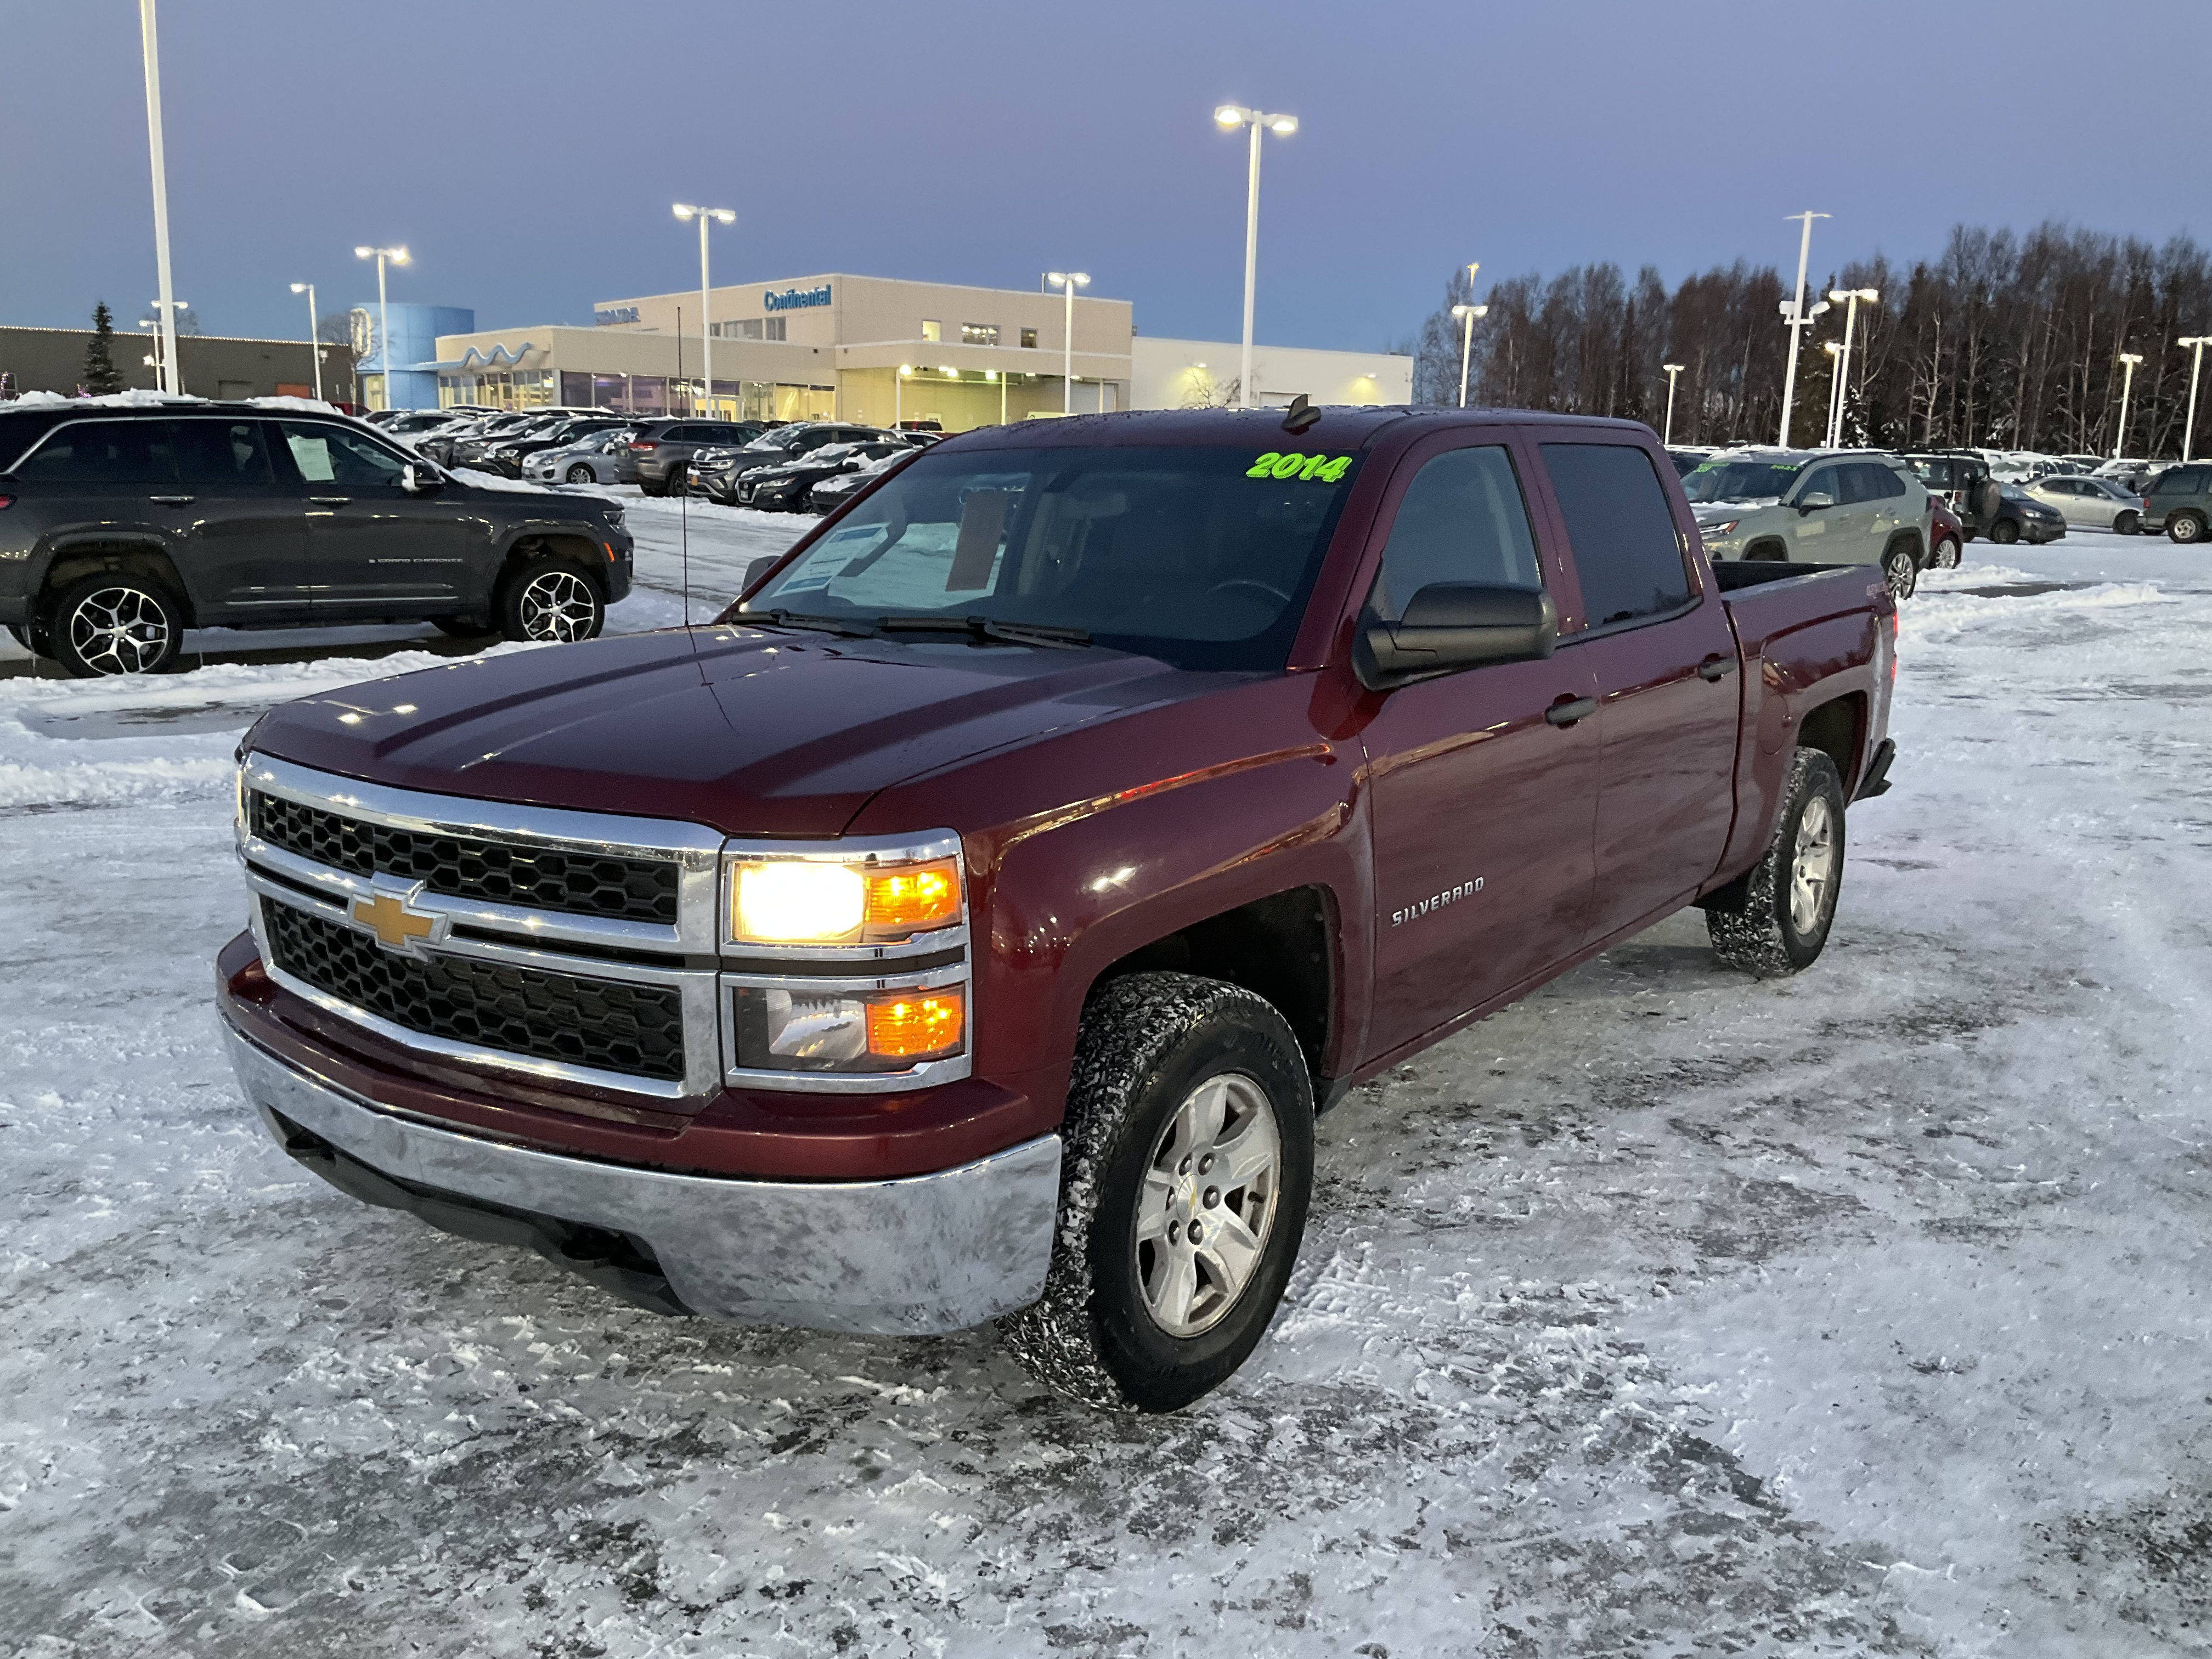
[394, 921]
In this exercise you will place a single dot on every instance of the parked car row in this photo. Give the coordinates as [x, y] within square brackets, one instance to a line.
[778, 470]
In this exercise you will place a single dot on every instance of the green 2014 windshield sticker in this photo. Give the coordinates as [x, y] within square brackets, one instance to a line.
[1320, 469]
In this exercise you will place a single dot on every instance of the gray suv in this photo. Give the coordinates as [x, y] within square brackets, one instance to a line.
[123, 526]
[2180, 501]
[1815, 507]
[659, 457]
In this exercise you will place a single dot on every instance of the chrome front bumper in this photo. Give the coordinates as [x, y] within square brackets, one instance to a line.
[908, 1257]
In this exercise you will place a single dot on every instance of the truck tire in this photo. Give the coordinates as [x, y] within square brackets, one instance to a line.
[1774, 919]
[548, 598]
[2185, 527]
[113, 623]
[1901, 571]
[1163, 1278]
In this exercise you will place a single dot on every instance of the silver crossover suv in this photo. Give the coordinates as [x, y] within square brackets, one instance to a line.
[1815, 507]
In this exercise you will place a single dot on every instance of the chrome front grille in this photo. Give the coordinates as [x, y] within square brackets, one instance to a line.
[525, 969]
[470, 866]
[609, 1024]
[580, 948]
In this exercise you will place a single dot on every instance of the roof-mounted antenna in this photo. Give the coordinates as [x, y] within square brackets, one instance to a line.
[1301, 416]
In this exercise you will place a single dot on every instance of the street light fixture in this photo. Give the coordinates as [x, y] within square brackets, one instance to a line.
[1850, 299]
[2196, 344]
[1229, 117]
[1796, 319]
[720, 216]
[397, 256]
[1673, 370]
[1068, 282]
[314, 346]
[2127, 386]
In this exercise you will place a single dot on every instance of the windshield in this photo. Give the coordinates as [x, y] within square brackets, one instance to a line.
[1201, 557]
[1741, 481]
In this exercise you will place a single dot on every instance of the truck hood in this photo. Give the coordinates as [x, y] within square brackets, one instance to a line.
[1715, 512]
[750, 731]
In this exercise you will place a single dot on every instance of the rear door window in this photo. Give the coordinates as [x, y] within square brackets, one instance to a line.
[218, 455]
[127, 454]
[1627, 550]
[1462, 519]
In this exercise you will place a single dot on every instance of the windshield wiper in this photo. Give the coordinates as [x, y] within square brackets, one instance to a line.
[989, 628]
[851, 627]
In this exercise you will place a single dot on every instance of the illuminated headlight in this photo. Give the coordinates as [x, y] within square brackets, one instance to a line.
[806, 900]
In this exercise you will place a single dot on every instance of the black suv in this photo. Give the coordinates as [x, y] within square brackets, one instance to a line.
[120, 527]
[779, 447]
[659, 458]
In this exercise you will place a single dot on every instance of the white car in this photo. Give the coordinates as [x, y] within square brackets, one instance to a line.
[2094, 504]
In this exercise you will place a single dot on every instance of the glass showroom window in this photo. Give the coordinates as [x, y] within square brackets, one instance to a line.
[979, 334]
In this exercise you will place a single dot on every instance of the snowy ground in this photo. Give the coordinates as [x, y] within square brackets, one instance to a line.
[1665, 1313]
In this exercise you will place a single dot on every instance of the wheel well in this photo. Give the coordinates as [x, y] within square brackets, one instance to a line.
[1278, 947]
[578, 550]
[1911, 538]
[1770, 550]
[1834, 729]
[124, 559]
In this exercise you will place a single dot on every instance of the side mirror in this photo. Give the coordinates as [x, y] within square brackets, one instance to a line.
[1814, 500]
[757, 568]
[1454, 625]
[420, 479]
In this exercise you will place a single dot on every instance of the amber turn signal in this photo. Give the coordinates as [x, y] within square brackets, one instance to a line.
[916, 1025]
[913, 898]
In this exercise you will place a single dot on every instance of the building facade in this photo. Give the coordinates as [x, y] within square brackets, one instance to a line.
[209, 365]
[868, 348]
[412, 381]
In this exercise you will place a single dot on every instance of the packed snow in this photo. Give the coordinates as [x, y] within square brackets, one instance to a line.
[1667, 1312]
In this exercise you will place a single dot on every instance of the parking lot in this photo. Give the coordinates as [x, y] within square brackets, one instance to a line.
[1665, 1312]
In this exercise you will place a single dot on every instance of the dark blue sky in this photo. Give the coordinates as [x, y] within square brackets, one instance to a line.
[528, 152]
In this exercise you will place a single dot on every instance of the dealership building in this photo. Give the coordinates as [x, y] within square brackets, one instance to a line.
[877, 350]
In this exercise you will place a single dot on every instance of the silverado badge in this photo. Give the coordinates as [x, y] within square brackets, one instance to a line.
[390, 915]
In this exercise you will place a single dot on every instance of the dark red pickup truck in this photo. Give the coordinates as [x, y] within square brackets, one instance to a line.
[969, 924]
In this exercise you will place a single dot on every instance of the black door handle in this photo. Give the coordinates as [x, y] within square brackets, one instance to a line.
[173, 501]
[1567, 713]
[1714, 668]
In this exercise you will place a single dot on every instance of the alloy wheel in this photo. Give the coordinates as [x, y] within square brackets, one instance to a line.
[2187, 527]
[119, 630]
[1811, 866]
[557, 604]
[1207, 1204]
[580, 473]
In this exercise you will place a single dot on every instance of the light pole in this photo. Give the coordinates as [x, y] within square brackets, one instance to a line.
[2127, 386]
[1849, 299]
[1673, 370]
[1467, 315]
[314, 346]
[1230, 116]
[162, 360]
[1067, 282]
[721, 216]
[149, 43]
[2195, 343]
[399, 257]
[1797, 319]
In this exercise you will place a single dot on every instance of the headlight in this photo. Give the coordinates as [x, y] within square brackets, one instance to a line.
[830, 901]
[1714, 532]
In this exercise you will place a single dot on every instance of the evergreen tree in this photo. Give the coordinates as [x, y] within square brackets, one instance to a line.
[101, 376]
